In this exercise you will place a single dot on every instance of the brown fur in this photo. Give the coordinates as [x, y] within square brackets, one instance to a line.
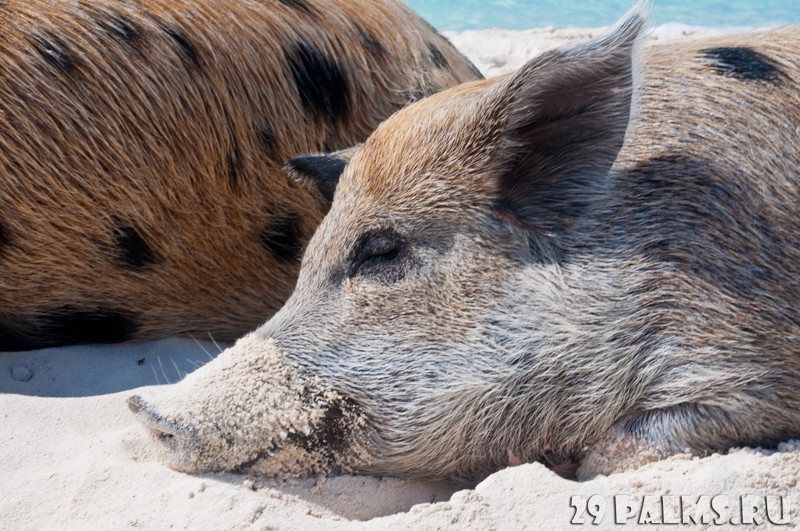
[141, 146]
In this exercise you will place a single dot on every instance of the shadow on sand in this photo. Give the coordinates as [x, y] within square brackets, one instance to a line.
[93, 370]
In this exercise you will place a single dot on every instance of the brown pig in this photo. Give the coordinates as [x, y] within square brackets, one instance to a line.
[599, 250]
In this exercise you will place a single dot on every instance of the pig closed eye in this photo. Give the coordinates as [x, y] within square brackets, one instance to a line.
[378, 254]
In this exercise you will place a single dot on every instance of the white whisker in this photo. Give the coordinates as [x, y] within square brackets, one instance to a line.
[215, 342]
[155, 375]
[202, 347]
[166, 378]
[180, 375]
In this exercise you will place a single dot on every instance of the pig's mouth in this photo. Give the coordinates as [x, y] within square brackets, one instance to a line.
[179, 441]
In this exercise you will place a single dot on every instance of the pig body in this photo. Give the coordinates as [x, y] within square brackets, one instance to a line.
[141, 146]
[598, 251]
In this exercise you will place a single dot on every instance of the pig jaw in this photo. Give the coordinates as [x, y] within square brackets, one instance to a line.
[248, 411]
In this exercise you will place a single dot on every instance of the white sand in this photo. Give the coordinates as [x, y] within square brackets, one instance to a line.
[498, 51]
[72, 456]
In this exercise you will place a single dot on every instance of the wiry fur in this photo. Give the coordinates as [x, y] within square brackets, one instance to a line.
[141, 144]
[520, 298]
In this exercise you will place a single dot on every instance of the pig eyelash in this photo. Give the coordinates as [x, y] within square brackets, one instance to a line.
[375, 249]
[376, 259]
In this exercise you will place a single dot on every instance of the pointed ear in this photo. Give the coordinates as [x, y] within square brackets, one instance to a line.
[323, 171]
[566, 112]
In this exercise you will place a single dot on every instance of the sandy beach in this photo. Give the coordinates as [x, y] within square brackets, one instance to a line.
[73, 457]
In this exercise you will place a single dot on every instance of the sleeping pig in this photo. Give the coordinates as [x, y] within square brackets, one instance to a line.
[596, 252]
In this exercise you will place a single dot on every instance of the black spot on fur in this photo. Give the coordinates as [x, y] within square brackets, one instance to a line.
[323, 170]
[115, 24]
[467, 62]
[372, 44]
[268, 141]
[320, 82]
[133, 251]
[55, 52]
[122, 29]
[69, 326]
[742, 63]
[283, 238]
[186, 48]
[437, 57]
[300, 5]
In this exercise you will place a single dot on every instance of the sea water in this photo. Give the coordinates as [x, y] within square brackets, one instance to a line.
[458, 15]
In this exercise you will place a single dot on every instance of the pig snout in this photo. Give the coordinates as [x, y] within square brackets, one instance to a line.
[161, 428]
[250, 411]
[178, 440]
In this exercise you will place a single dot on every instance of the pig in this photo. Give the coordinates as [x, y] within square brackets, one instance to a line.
[589, 261]
[141, 145]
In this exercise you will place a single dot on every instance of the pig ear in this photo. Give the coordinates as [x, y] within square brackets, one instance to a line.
[323, 171]
[566, 116]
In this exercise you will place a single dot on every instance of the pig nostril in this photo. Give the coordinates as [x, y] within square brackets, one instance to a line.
[135, 403]
[160, 435]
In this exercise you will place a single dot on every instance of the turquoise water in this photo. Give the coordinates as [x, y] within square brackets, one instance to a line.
[457, 15]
